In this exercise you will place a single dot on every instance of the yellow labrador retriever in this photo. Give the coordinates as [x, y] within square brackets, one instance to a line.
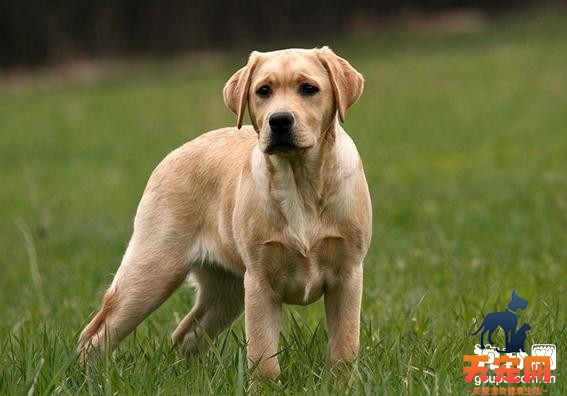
[257, 216]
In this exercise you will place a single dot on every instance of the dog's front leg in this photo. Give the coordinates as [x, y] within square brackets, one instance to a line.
[342, 307]
[262, 316]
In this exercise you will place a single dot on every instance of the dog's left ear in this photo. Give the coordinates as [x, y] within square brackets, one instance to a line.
[235, 91]
[346, 81]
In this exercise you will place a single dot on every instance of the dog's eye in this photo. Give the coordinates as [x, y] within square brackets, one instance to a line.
[264, 91]
[308, 89]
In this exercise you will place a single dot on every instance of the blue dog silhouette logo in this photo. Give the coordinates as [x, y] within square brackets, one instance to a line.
[508, 321]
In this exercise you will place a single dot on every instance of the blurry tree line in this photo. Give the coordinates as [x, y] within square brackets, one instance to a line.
[40, 31]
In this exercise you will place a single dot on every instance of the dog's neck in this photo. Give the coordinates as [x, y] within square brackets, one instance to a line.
[301, 186]
[302, 178]
[510, 310]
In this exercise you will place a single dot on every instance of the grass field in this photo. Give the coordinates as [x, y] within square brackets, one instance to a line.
[464, 140]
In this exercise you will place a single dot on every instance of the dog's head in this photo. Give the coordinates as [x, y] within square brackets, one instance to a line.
[293, 96]
[517, 302]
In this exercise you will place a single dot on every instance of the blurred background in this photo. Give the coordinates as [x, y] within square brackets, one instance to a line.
[35, 32]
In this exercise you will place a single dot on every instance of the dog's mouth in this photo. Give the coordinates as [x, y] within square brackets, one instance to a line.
[291, 142]
[284, 147]
[281, 148]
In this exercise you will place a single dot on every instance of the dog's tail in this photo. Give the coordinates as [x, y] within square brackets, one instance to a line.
[479, 329]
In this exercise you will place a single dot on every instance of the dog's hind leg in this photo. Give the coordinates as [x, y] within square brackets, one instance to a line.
[154, 265]
[510, 334]
[220, 300]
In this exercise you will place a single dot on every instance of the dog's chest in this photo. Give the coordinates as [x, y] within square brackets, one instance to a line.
[302, 232]
[300, 275]
[307, 243]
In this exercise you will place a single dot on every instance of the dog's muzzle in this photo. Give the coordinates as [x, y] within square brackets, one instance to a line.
[281, 133]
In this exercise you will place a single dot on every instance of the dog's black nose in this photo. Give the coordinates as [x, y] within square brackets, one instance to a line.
[281, 122]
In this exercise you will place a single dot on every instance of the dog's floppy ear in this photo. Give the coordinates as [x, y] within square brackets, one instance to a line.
[235, 91]
[346, 81]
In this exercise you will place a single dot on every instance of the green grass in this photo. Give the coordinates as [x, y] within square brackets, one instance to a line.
[464, 140]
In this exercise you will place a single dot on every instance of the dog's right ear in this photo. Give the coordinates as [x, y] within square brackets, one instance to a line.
[235, 91]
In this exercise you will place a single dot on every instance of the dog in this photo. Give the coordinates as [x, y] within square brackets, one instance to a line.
[257, 216]
[507, 320]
